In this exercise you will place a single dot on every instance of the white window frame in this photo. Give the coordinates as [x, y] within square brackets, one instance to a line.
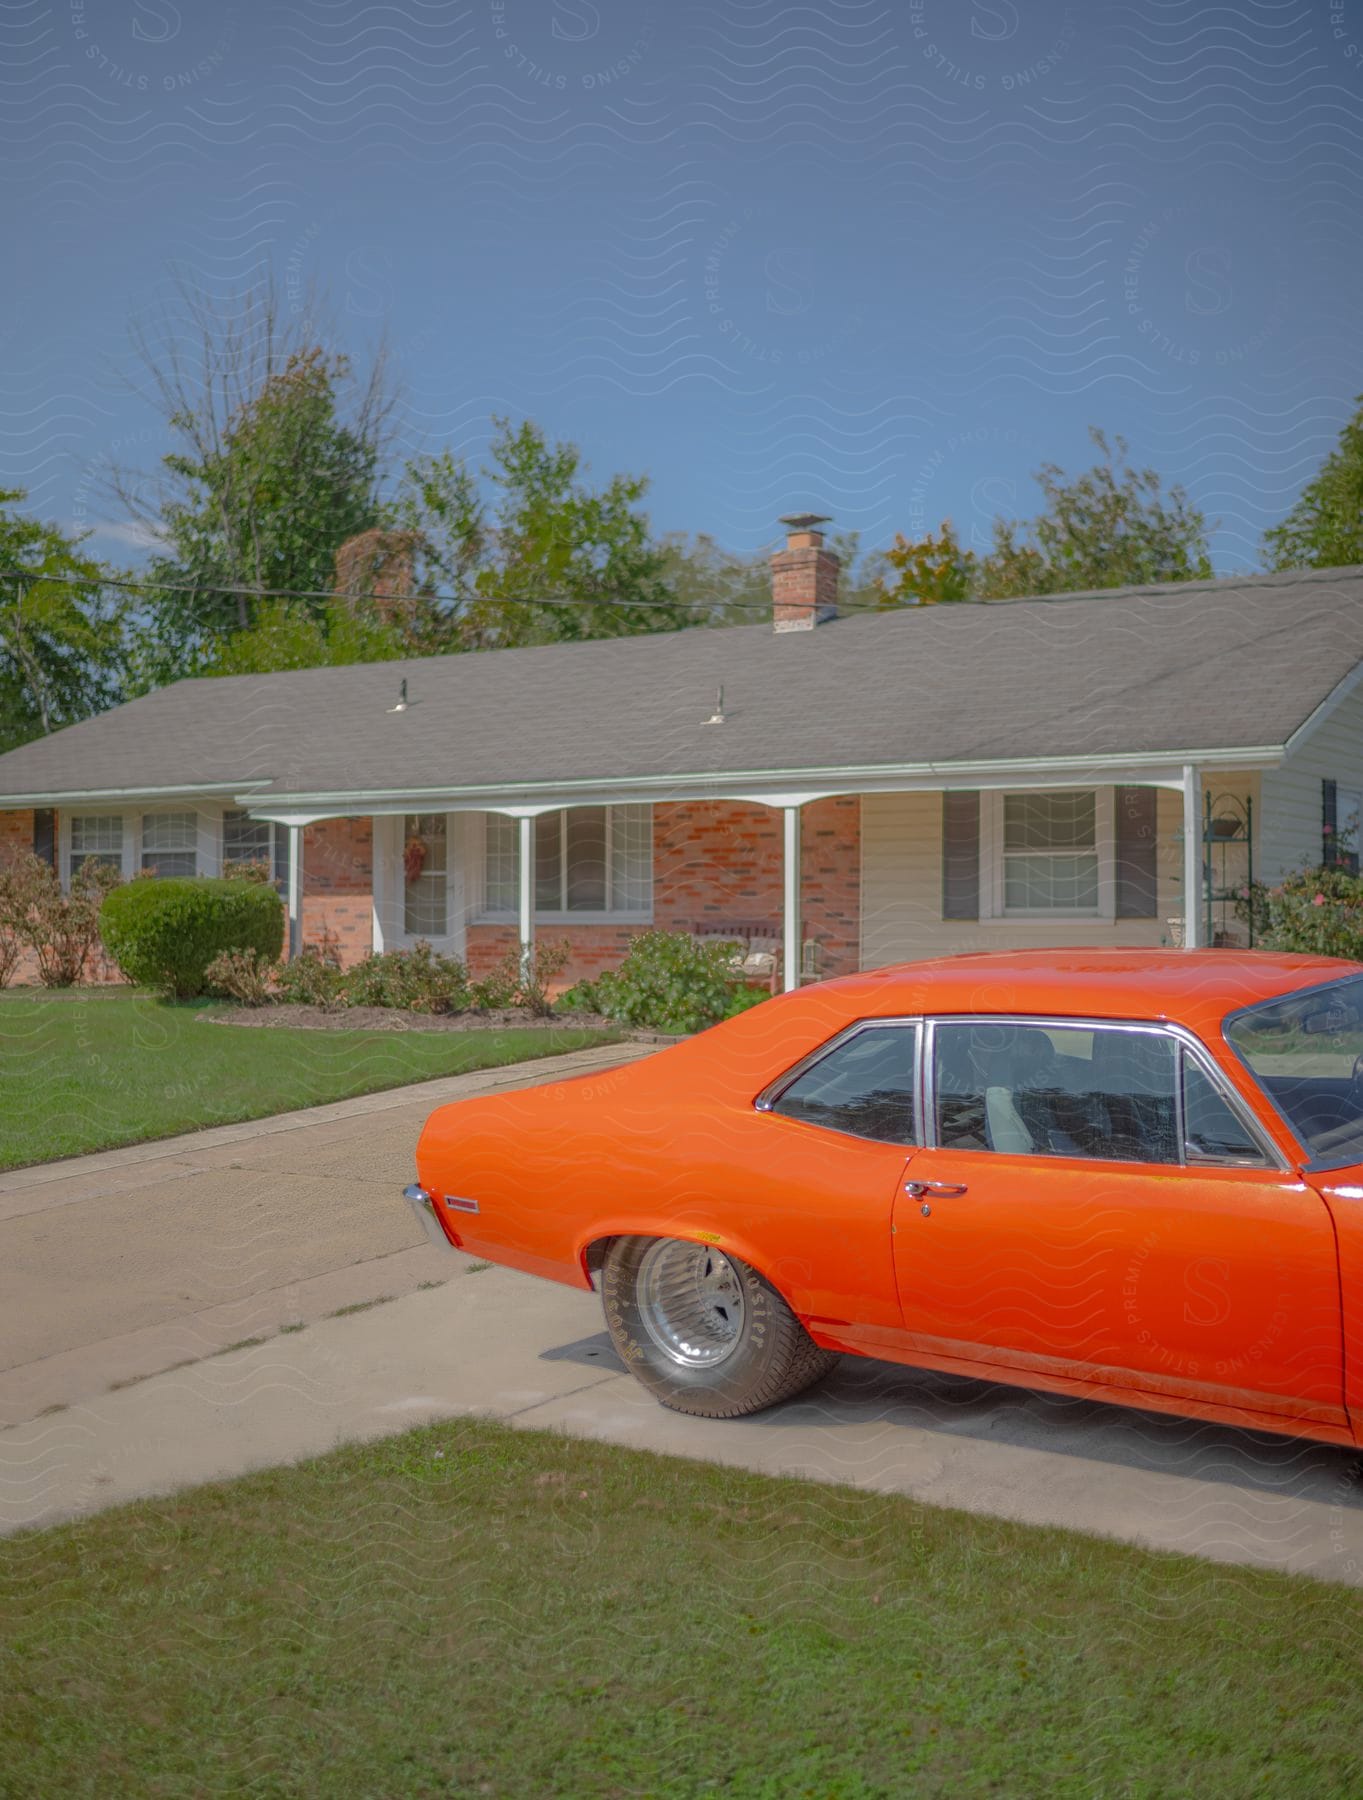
[277, 835]
[992, 872]
[130, 847]
[208, 835]
[195, 831]
[561, 915]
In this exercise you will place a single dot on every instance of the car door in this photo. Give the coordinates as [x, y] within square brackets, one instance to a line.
[1092, 1203]
[820, 1194]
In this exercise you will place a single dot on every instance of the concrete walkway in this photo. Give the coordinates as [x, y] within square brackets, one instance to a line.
[173, 1252]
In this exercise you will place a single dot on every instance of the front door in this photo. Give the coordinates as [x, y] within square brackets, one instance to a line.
[425, 861]
[1052, 1226]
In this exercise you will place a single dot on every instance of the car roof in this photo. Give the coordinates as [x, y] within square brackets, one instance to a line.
[1193, 987]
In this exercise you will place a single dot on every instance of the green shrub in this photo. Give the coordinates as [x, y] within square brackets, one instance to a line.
[163, 934]
[512, 982]
[310, 979]
[245, 976]
[1314, 911]
[670, 982]
[582, 997]
[417, 980]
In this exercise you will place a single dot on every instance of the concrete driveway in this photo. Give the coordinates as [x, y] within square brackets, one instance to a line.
[489, 1341]
[118, 1265]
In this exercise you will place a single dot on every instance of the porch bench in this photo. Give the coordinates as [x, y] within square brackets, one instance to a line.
[759, 958]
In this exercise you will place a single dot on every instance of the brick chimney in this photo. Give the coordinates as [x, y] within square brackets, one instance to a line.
[804, 576]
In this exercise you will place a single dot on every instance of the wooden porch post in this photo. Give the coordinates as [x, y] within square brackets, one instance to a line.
[295, 890]
[526, 892]
[1192, 856]
[790, 925]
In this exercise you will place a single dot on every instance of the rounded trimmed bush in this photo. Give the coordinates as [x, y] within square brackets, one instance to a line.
[164, 933]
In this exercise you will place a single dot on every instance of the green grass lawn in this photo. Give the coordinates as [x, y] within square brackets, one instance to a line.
[89, 1070]
[472, 1610]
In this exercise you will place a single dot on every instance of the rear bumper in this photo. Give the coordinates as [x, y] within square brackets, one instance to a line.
[423, 1206]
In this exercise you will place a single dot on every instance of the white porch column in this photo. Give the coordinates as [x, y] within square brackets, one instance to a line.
[526, 891]
[790, 925]
[295, 890]
[1192, 857]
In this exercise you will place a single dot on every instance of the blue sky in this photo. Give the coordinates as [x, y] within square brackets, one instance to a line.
[875, 259]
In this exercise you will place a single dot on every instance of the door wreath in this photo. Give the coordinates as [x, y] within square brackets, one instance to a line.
[414, 857]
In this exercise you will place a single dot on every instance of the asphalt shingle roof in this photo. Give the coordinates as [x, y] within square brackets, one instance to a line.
[1235, 663]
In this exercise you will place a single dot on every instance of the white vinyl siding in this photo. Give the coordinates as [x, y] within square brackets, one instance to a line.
[901, 887]
[1291, 810]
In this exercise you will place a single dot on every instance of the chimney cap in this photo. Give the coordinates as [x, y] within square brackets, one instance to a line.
[805, 521]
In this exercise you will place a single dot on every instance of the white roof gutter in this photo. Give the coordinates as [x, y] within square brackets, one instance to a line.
[768, 787]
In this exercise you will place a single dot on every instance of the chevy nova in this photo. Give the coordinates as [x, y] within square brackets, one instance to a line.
[1131, 1175]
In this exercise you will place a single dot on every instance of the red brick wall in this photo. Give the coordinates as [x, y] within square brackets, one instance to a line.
[719, 861]
[338, 877]
[16, 834]
[714, 862]
[338, 857]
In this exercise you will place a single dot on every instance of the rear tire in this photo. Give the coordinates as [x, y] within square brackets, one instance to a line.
[702, 1331]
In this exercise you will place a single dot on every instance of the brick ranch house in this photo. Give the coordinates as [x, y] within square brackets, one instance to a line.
[854, 791]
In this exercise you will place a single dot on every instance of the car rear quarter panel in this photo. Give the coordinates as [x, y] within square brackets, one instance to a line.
[671, 1147]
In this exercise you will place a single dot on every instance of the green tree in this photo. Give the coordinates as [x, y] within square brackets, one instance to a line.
[1111, 526]
[277, 454]
[533, 553]
[713, 586]
[285, 635]
[1324, 530]
[927, 571]
[60, 631]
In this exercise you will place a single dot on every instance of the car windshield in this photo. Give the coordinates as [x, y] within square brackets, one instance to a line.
[1306, 1052]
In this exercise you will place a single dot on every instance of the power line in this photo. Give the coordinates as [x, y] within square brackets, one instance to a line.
[256, 593]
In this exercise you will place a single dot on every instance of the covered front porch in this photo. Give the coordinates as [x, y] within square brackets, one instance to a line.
[831, 875]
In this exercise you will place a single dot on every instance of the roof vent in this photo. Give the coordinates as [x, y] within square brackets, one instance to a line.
[717, 716]
[402, 697]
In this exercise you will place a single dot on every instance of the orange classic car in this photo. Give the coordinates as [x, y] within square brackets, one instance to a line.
[1131, 1175]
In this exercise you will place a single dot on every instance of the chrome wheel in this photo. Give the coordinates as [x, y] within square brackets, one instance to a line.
[691, 1303]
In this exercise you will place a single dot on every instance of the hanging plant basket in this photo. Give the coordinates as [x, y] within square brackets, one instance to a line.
[414, 857]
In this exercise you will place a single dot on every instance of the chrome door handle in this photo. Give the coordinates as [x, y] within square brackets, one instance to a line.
[916, 1189]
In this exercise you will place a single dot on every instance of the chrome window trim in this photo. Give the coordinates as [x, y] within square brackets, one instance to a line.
[1185, 1042]
[767, 1099]
[1311, 1165]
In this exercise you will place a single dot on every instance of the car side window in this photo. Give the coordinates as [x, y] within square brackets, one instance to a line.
[864, 1086]
[1033, 1090]
[1213, 1131]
